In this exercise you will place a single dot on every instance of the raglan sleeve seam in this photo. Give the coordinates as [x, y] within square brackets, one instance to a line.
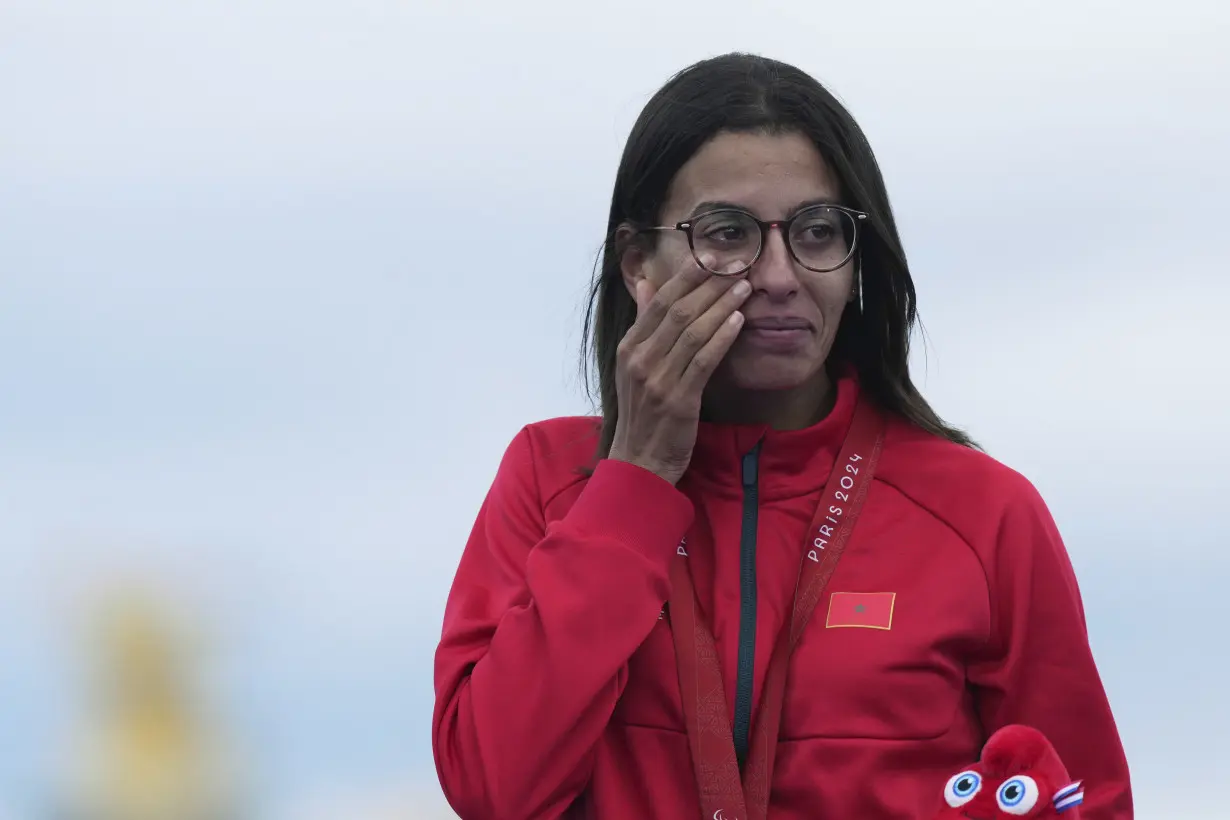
[992, 629]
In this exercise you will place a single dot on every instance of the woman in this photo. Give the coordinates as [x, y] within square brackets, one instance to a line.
[668, 612]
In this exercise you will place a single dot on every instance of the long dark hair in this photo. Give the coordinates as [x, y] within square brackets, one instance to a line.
[743, 92]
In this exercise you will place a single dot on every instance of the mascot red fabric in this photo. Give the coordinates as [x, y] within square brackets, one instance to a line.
[1019, 775]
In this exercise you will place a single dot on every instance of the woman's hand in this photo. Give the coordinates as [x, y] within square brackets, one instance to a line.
[681, 334]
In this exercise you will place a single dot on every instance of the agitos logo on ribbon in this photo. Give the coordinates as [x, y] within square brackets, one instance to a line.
[869, 610]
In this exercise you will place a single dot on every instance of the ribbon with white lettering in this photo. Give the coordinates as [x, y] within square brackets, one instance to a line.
[724, 794]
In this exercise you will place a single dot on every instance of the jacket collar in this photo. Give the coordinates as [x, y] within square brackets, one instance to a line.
[790, 462]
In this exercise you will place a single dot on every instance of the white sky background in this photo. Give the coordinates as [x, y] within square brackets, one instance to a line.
[279, 281]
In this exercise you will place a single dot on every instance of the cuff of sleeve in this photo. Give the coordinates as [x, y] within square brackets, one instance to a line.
[635, 507]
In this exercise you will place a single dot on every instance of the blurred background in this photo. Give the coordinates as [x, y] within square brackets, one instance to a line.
[280, 280]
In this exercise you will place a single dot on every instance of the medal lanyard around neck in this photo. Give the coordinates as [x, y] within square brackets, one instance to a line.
[724, 794]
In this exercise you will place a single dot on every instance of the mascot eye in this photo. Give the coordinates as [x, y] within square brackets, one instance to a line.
[1018, 795]
[962, 787]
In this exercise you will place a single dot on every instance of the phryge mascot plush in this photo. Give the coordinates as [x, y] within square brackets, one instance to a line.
[1019, 775]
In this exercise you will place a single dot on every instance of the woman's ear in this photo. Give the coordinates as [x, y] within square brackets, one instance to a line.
[632, 257]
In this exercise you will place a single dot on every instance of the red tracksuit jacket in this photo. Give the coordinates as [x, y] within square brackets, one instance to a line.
[556, 683]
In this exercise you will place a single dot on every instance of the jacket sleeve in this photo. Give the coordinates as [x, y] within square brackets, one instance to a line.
[1040, 669]
[538, 629]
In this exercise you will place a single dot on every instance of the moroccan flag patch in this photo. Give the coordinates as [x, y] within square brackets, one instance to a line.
[870, 610]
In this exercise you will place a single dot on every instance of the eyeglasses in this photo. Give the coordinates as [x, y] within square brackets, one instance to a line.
[821, 238]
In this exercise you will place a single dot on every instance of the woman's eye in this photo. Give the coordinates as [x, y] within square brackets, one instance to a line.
[725, 229]
[725, 233]
[818, 233]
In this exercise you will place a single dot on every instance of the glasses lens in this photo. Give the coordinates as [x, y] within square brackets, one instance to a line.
[822, 238]
[729, 239]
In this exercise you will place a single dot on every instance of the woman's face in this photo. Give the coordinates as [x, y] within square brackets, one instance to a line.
[793, 312]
